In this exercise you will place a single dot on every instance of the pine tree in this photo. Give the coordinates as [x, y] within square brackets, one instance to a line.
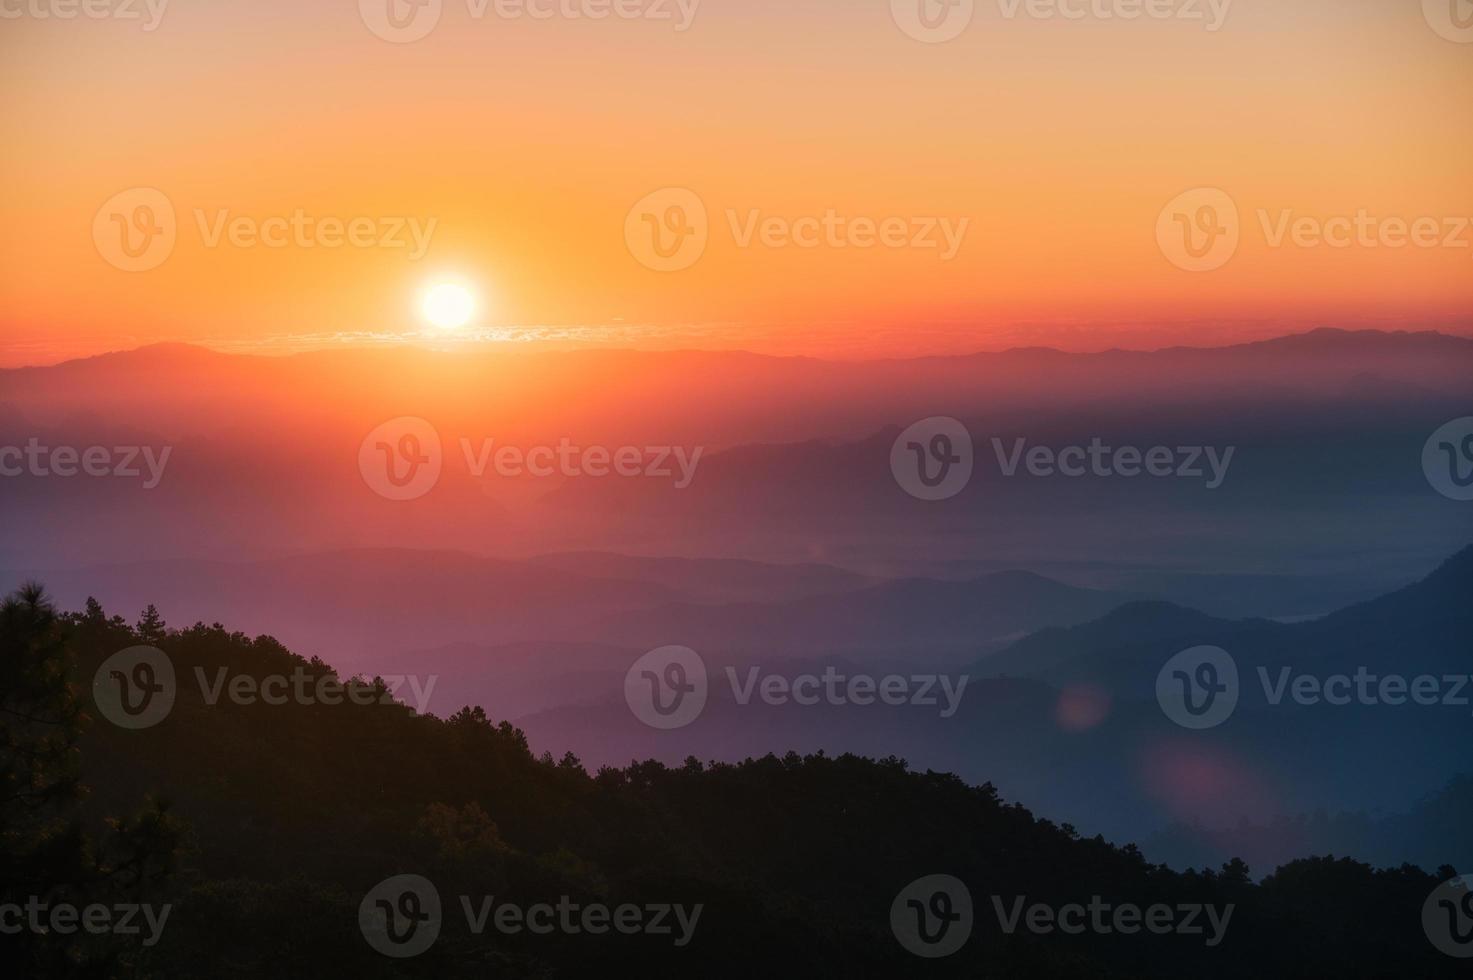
[151, 627]
[44, 849]
[40, 720]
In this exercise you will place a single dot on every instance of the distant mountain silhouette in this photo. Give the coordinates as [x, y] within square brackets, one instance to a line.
[1075, 725]
[1042, 653]
[288, 815]
[1425, 626]
[264, 454]
[1436, 829]
[1438, 602]
[1226, 595]
[357, 606]
[713, 579]
[898, 618]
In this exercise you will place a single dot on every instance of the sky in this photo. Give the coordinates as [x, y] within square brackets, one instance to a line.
[833, 176]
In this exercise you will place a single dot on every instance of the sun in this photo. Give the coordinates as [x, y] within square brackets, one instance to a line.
[448, 306]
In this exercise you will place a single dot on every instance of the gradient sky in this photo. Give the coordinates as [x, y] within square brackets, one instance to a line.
[529, 142]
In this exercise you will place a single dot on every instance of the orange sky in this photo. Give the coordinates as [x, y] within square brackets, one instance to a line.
[527, 142]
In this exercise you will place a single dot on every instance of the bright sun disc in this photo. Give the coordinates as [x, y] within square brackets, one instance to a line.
[448, 306]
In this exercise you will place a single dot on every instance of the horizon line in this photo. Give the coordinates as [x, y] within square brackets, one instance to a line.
[422, 344]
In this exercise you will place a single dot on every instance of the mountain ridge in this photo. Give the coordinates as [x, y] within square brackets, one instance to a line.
[1296, 341]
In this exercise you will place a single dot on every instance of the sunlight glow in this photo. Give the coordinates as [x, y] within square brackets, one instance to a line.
[448, 306]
